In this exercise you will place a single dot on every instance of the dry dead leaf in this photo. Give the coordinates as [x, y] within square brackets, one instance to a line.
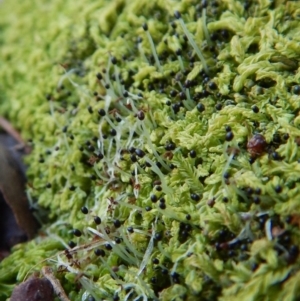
[12, 186]
[33, 289]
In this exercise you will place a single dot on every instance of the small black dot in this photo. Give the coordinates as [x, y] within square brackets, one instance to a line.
[297, 89]
[84, 210]
[91, 148]
[255, 109]
[229, 136]
[249, 191]
[278, 188]
[72, 187]
[204, 3]
[286, 136]
[162, 200]
[158, 188]
[153, 198]
[225, 33]
[133, 158]
[99, 252]
[77, 232]
[108, 247]
[177, 14]
[158, 236]
[182, 95]
[131, 149]
[114, 60]
[170, 146]
[256, 200]
[178, 51]
[140, 153]
[200, 107]
[48, 185]
[173, 93]
[227, 128]
[226, 175]
[218, 106]
[172, 166]
[117, 223]
[113, 132]
[188, 217]
[101, 112]
[141, 115]
[212, 85]
[195, 197]
[162, 205]
[72, 244]
[155, 261]
[193, 154]
[118, 240]
[99, 76]
[252, 160]
[275, 156]
[147, 208]
[100, 156]
[130, 230]
[257, 190]
[97, 220]
[176, 107]
[145, 26]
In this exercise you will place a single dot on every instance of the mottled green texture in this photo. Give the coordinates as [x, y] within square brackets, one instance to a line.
[238, 243]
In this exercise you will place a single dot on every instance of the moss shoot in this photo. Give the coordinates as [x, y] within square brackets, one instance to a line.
[165, 136]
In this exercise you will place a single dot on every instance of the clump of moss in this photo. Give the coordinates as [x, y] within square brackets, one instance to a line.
[143, 129]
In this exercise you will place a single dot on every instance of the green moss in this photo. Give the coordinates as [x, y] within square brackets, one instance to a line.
[215, 235]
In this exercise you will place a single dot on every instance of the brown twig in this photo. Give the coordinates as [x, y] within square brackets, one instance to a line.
[58, 289]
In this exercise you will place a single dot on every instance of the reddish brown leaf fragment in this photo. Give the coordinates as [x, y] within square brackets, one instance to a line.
[33, 289]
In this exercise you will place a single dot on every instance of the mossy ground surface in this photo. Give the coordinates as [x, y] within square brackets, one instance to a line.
[157, 148]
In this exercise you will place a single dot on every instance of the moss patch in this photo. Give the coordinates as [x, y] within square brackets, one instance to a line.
[157, 147]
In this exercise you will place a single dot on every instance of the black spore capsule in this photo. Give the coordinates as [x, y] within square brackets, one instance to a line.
[84, 210]
[177, 14]
[141, 115]
[72, 244]
[193, 154]
[229, 136]
[99, 252]
[77, 232]
[117, 223]
[97, 220]
[140, 153]
[200, 107]
[145, 26]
